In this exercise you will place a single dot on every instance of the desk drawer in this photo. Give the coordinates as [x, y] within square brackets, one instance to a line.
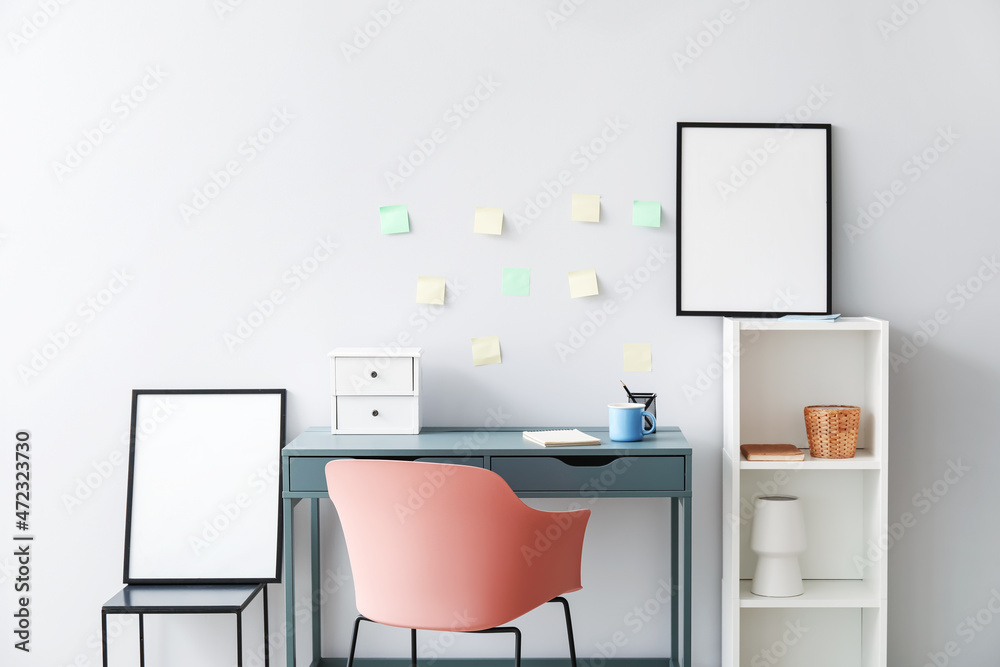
[308, 473]
[372, 375]
[591, 475]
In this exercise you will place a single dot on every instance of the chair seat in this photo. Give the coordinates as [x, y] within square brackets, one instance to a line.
[177, 599]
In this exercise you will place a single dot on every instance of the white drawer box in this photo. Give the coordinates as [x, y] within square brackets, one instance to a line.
[372, 375]
[375, 390]
[376, 414]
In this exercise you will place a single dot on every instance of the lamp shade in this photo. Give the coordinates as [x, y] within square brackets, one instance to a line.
[778, 537]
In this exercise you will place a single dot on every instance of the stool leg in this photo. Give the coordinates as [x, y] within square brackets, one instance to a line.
[239, 639]
[413, 647]
[267, 638]
[104, 636]
[142, 643]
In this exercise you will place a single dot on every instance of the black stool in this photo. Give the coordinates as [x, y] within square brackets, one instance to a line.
[174, 599]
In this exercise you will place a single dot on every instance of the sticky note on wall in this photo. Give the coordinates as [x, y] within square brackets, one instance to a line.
[486, 350]
[586, 208]
[488, 220]
[515, 282]
[645, 213]
[430, 289]
[583, 283]
[638, 357]
[394, 219]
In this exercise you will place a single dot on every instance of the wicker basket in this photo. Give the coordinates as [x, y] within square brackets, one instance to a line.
[832, 430]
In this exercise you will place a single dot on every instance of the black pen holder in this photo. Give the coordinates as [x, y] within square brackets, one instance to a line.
[645, 398]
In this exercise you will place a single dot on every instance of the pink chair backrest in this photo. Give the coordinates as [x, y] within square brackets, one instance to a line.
[449, 547]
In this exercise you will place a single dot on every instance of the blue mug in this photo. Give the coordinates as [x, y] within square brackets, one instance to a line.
[625, 421]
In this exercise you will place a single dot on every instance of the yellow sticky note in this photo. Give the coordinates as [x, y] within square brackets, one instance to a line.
[638, 357]
[583, 283]
[488, 220]
[586, 208]
[486, 350]
[430, 289]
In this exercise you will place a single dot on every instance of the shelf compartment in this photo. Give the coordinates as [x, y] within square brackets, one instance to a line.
[864, 459]
[806, 637]
[819, 593]
[843, 517]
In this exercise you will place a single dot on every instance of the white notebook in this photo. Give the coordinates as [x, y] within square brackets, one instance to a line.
[561, 438]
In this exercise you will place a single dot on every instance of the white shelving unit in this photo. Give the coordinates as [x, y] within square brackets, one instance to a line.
[774, 368]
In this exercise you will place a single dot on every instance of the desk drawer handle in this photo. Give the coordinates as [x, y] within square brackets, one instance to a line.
[588, 461]
[374, 413]
[374, 374]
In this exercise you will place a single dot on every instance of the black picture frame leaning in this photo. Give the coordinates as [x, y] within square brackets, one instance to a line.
[193, 418]
[708, 268]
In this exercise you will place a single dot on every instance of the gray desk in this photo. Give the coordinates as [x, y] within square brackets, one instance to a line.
[657, 467]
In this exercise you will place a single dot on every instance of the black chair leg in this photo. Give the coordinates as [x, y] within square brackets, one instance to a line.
[354, 638]
[517, 640]
[516, 632]
[569, 629]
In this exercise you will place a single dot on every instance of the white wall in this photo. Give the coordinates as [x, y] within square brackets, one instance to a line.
[339, 124]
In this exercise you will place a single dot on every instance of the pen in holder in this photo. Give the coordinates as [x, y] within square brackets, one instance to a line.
[648, 399]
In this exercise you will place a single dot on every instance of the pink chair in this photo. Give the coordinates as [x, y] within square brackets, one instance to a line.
[451, 547]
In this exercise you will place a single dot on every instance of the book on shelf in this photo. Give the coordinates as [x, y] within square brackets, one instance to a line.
[771, 453]
[561, 438]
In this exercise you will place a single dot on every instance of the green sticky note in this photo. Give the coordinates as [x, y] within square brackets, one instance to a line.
[395, 219]
[645, 213]
[516, 282]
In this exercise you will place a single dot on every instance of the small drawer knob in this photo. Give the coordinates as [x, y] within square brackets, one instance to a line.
[374, 374]
[374, 413]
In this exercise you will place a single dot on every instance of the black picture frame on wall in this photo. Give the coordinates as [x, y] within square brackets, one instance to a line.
[754, 219]
[204, 486]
